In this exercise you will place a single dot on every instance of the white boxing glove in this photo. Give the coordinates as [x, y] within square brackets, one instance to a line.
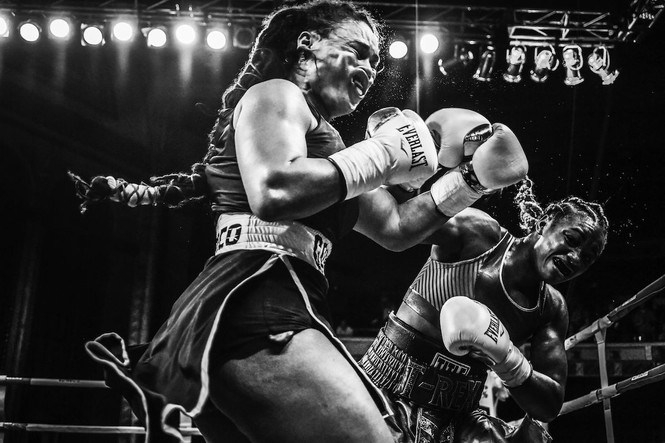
[470, 327]
[458, 132]
[496, 163]
[399, 149]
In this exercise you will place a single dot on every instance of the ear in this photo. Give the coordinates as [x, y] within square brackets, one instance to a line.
[305, 41]
[540, 225]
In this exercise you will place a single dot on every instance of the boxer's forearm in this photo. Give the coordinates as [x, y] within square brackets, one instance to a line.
[539, 396]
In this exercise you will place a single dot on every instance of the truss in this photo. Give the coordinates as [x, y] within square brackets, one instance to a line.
[472, 24]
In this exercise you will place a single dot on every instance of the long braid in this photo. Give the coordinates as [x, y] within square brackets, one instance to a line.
[531, 212]
[273, 55]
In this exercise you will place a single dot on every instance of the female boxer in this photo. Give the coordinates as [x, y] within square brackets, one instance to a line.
[248, 350]
[481, 294]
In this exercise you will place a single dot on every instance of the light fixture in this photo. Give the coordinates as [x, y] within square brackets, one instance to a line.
[155, 37]
[486, 65]
[185, 34]
[461, 56]
[398, 49]
[123, 31]
[29, 31]
[59, 28]
[515, 57]
[216, 38]
[243, 36]
[544, 62]
[92, 34]
[4, 26]
[429, 43]
[599, 63]
[572, 61]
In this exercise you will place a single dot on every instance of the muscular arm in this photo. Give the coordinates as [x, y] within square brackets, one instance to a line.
[271, 122]
[398, 226]
[541, 396]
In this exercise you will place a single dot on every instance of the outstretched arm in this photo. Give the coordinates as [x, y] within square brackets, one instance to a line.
[496, 163]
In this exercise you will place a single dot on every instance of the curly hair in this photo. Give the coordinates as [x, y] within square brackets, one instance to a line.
[531, 212]
[273, 55]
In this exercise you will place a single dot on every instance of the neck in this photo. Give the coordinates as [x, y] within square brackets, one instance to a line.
[520, 271]
[299, 78]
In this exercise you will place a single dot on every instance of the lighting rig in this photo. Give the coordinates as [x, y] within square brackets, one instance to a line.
[538, 40]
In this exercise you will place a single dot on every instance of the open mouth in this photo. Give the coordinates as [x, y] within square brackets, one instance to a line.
[360, 82]
[562, 266]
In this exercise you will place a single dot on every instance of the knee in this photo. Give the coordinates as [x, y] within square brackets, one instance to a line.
[480, 427]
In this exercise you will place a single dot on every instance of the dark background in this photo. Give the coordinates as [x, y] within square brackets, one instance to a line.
[131, 112]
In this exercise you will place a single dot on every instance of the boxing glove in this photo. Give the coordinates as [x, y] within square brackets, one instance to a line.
[399, 149]
[498, 162]
[458, 132]
[469, 327]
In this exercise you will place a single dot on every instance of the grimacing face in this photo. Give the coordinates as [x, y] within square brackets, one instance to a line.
[344, 67]
[567, 247]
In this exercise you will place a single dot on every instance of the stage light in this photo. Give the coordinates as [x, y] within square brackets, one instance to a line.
[486, 65]
[429, 43]
[92, 35]
[185, 34]
[243, 36]
[572, 61]
[4, 26]
[29, 31]
[216, 39]
[515, 57]
[123, 31]
[59, 28]
[398, 49]
[599, 63]
[461, 56]
[155, 37]
[544, 63]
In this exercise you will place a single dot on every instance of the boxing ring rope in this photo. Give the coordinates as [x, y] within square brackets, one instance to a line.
[75, 429]
[187, 431]
[70, 383]
[598, 329]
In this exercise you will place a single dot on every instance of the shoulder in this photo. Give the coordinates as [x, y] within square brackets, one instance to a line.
[556, 308]
[466, 235]
[476, 221]
[276, 90]
[276, 97]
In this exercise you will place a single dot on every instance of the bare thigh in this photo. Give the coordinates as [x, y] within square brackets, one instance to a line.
[216, 428]
[307, 391]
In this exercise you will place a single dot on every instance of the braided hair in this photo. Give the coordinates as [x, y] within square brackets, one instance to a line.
[531, 213]
[273, 55]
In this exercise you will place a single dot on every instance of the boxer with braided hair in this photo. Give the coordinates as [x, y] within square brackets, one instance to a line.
[248, 350]
[481, 294]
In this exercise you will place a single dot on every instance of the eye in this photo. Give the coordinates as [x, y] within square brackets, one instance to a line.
[364, 52]
[572, 239]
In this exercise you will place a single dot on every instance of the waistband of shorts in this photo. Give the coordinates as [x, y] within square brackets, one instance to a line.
[411, 341]
[406, 363]
[240, 231]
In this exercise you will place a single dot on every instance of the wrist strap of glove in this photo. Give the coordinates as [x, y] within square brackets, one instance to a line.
[515, 369]
[471, 179]
[451, 194]
[363, 166]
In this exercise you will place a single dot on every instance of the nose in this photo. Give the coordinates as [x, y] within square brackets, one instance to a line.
[371, 73]
[575, 257]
